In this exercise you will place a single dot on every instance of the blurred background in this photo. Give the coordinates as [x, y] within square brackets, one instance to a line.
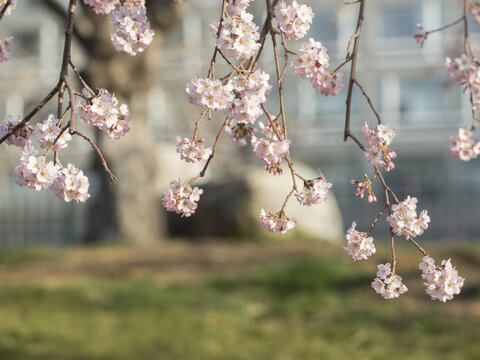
[216, 286]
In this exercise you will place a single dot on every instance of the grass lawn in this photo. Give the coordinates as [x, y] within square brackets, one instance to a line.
[219, 301]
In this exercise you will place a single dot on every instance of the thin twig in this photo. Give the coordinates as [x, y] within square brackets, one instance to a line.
[379, 121]
[80, 78]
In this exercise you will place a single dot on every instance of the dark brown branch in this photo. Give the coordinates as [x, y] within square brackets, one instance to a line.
[4, 8]
[346, 133]
[379, 121]
[32, 113]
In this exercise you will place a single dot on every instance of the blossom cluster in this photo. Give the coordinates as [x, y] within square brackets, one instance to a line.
[238, 35]
[362, 186]
[10, 8]
[277, 222]
[270, 148]
[102, 111]
[442, 282]
[208, 93]
[20, 137]
[251, 90]
[388, 284]
[34, 171]
[377, 151]
[71, 184]
[192, 151]
[46, 133]
[294, 20]
[132, 33]
[359, 245]
[312, 62]
[102, 7]
[404, 219]
[181, 198]
[314, 192]
[420, 38]
[463, 147]
[5, 47]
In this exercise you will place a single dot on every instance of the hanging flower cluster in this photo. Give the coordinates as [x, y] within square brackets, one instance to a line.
[294, 20]
[71, 185]
[238, 34]
[312, 62]
[270, 148]
[388, 284]
[46, 133]
[277, 222]
[5, 47]
[359, 245]
[181, 198]
[404, 219]
[364, 185]
[378, 153]
[314, 191]
[442, 282]
[192, 151]
[102, 111]
[211, 94]
[463, 147]
[20, 137]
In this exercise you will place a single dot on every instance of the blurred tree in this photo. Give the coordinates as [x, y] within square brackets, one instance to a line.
[129, 209]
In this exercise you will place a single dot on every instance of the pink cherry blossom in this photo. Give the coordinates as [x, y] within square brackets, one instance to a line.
[388, 284]
[132, 33]
[5, 47]
[71, 185]
[359, 246]
[270, 148]
[362, 186]
[277, 222]
[238, 35]
[404, 219]
[21, 137]
[442, 283]
[377, 151]
[211, 94]
[240, 133]
[192, 151]
[294, 20]
[46, 133]
[314, 191]
[181, 198]
[463, 147]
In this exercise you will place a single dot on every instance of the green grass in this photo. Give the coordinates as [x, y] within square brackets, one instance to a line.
[314, 307]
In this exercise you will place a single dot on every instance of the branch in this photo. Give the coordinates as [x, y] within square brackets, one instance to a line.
[4, 8]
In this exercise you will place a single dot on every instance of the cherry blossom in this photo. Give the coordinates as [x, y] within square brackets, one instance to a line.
[102, 7]
[238, 35]
[328, 83]
[362, 186]
[388, 284]
[211, 94]
[463, 147]
[442, 283]
[35, 172]
[5, 47]
[404, 219]
[46, 133]
[251, 91]
[20, 137]
[103, 112]
[377, 151]
[277, 222]
[420, 38]
[314, 191]
[192, 151]
[132, 32]
[181, 198]
[359, 246]
[294, 20]
[71, 184]
[270, 148]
